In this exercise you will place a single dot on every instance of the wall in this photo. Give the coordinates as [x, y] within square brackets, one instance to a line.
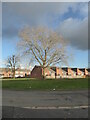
[36, 72]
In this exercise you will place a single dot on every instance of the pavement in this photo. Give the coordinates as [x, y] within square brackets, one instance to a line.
[16, 112]
[45, 104]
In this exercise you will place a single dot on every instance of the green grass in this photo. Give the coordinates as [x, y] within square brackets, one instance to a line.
[35, 84]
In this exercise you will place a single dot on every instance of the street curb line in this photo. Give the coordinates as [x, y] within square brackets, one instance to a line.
[72, 107]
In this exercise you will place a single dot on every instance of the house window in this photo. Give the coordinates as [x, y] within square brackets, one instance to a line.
[69, 74]
[17, 72]
[74, 74]
[50, 74]
[58, 74]
[82, 73]
[46, 74]
[21, 72]
[66, 73]
[78, 73]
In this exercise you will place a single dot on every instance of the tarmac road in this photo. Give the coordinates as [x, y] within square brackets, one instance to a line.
[45, 104]
[44, 98]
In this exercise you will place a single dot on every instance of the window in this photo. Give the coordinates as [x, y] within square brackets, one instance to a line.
[82, 73]
[1, 74]
[46, 74]
[50, 74]
[21, 72]
[16, 72]
[78, 73]
[58, 74]
[69, 74]
[74, 74]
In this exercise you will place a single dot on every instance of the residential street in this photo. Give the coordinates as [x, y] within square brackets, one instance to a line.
[44, 98]
[45, 103]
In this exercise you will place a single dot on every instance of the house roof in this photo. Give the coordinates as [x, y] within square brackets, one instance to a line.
[74, 69]
[22, 70]
[50, 69]
[53, 68]
[65, 69]
[82, 69]
[88, 69]
[8, 69]
[4, 69]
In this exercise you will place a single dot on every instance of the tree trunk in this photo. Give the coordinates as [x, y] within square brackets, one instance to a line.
[13, 71]
[55, 75]
[43, 73]
[44, 63]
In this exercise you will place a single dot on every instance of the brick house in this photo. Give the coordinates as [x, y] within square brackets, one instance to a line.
[85, 71]
[81, 72]
[58, 72]
[52, 72]
[74, 72]
[37, 72]
[6, 72]
[22, 72]
[68, 72]
[61, 72]
[64, 72]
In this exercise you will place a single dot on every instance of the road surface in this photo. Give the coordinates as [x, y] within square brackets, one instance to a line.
[51, 104]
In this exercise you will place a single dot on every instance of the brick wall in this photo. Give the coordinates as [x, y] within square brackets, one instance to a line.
[58, 71]
[86, 71]
[36, 72]
[19, 72]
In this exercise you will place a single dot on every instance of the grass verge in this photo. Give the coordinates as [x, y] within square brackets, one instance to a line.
[50, 84]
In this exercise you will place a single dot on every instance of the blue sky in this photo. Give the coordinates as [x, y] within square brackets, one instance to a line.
[69, 19]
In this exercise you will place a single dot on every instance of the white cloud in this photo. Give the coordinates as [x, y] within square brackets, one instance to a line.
[82, 8]
[15, 15]
[76, 31]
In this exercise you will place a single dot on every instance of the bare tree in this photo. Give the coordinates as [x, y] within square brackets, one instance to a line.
[46, 46]
[12, 63]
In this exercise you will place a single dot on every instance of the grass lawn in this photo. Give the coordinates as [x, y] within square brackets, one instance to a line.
[51, 84]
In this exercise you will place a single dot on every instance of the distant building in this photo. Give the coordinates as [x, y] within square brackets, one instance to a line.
[6, 72]
[56, 72]
[22, 72]
[51, 72]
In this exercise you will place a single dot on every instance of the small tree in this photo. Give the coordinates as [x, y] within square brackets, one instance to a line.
[12, 63]
[46, 46]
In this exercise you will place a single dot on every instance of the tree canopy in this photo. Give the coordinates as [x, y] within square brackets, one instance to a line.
[44, 45]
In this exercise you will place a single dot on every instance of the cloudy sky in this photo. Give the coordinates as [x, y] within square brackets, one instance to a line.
[69, 18]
